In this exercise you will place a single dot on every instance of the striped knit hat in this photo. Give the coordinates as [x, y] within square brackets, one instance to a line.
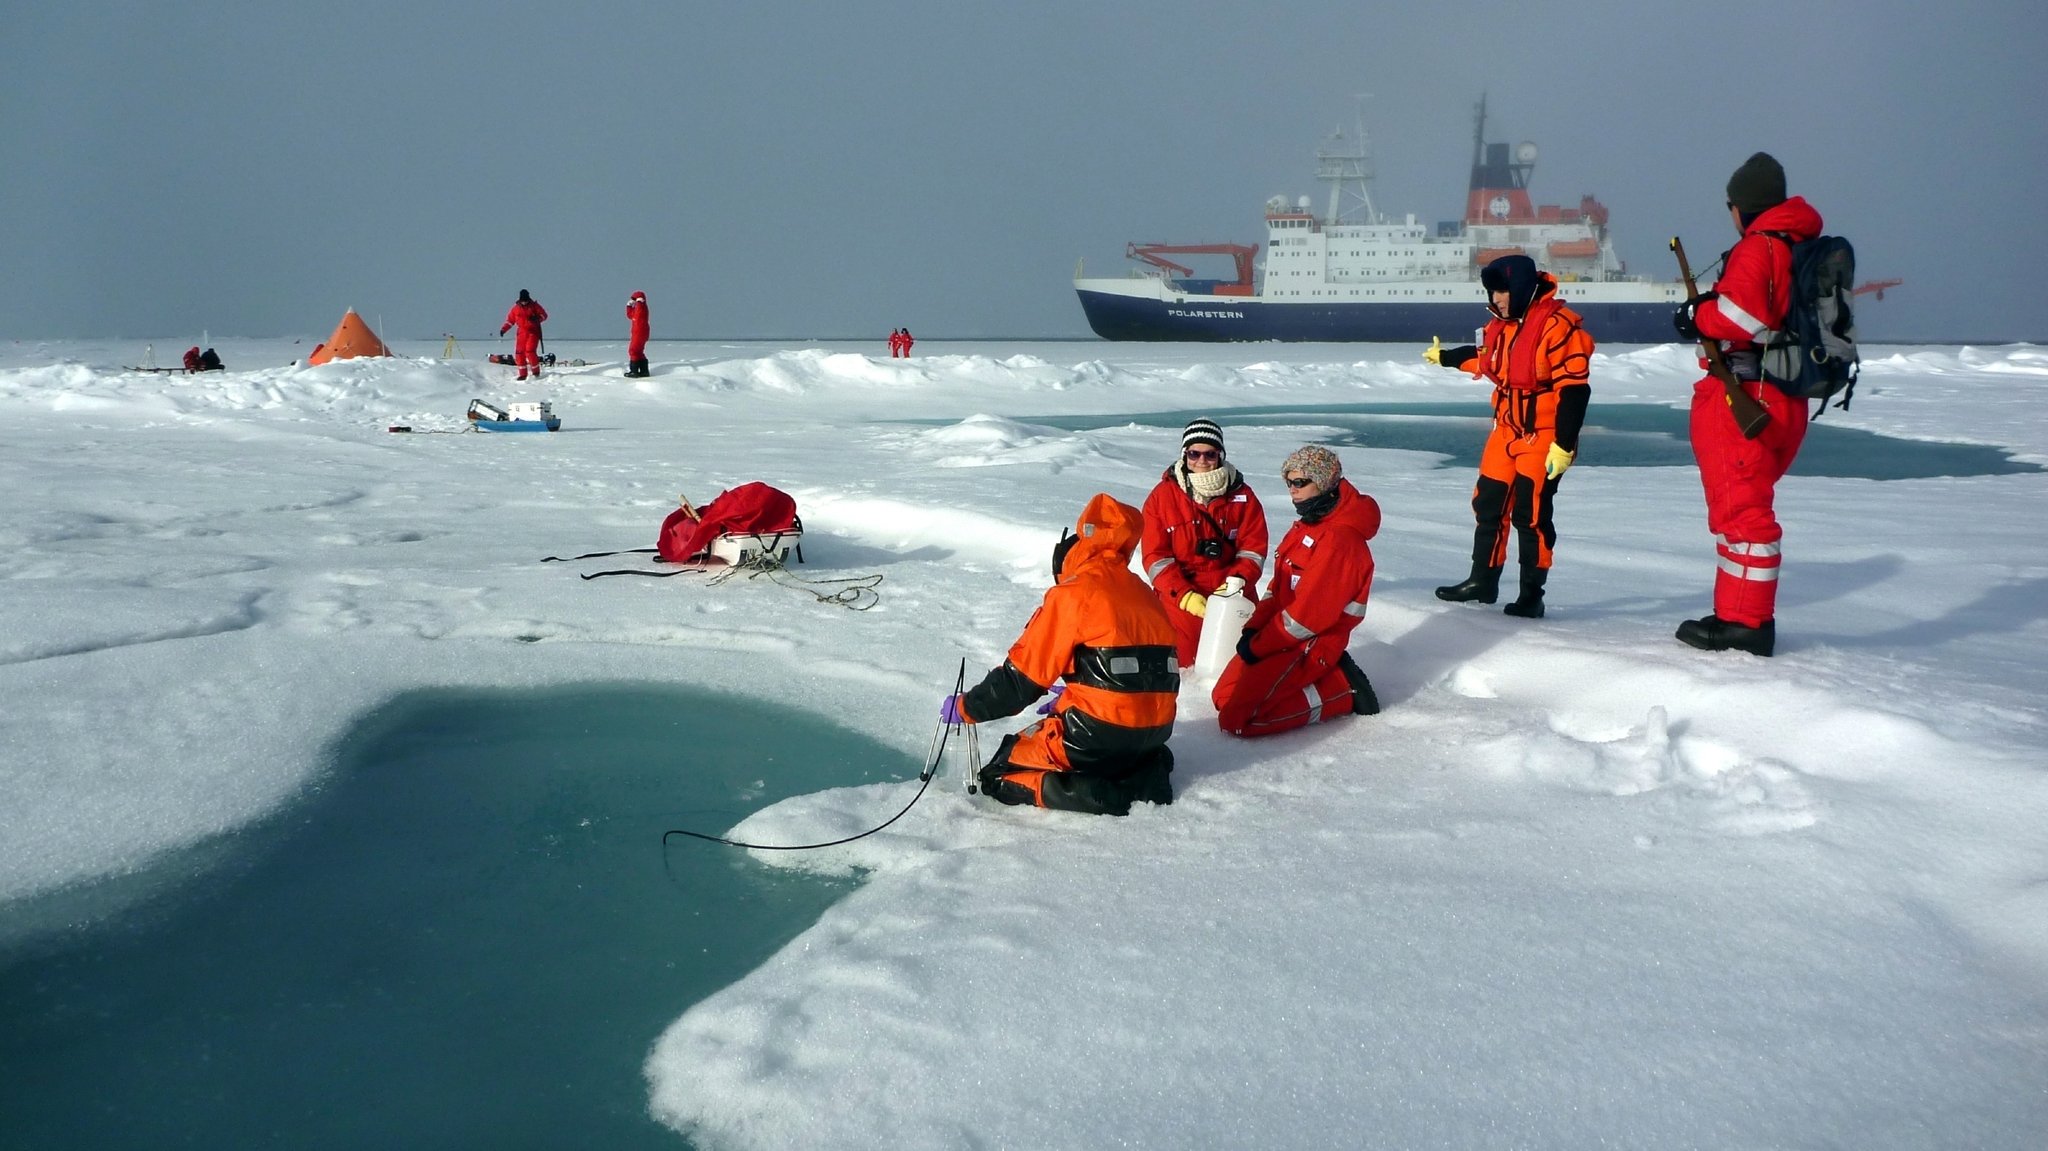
[1316, 462]
[1201, 432]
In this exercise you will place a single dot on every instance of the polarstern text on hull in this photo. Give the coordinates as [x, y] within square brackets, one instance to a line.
[1353, 274]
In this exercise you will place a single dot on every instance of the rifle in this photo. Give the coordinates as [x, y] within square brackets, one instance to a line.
[1750, 416]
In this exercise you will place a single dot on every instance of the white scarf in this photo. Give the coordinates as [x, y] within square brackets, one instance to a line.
[1205, 486]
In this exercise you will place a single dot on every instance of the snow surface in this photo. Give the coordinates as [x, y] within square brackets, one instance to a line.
[1579, 885]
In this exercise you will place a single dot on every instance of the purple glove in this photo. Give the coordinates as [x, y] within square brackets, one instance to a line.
[1052, 702]
[950, 713]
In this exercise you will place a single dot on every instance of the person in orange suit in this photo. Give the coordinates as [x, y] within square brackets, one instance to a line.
[1292, 667]
[1102, 633]
[527, 315]
[636, 341]
[1537, 353]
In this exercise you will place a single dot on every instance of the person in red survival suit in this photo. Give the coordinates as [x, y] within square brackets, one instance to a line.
[1537, 353]
[1102, 745]
[1291, 667]
[527, 315]
[749, 509]
[192, 359]
[906, 341]
[1741, 476]
[895, 342]
[1205, 532]
[636, 342]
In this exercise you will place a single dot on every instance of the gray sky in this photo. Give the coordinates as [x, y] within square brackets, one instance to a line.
[816, 169]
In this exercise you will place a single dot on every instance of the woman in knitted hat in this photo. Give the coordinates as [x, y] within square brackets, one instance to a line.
[1292, 667]
[1205, 532]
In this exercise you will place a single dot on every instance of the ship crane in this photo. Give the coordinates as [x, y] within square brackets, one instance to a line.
[1155, 255]
[1874, 287]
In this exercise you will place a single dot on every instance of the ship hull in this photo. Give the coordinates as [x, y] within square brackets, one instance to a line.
[1222, 319]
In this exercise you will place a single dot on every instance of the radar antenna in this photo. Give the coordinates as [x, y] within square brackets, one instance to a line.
[1347, 167]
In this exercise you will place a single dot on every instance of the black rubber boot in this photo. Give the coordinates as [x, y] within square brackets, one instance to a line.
[1716, 634]
[640, 369]
[1482, 585]
[1529, 605]
[1364, 701]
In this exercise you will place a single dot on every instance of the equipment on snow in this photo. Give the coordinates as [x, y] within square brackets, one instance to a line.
[524, 416]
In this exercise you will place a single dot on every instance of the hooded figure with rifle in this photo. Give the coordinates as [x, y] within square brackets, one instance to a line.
[1741, 459]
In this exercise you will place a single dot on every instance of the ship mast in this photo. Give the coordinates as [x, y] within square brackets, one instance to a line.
[1349, 173]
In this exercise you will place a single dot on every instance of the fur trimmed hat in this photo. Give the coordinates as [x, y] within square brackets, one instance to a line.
[1757, 185]
[1316, 462]
[1202, 432]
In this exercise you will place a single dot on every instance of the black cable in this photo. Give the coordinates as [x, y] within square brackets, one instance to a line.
[594, 555]
[939, 739]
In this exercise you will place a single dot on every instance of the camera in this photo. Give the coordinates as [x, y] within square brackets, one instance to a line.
[1210, 549]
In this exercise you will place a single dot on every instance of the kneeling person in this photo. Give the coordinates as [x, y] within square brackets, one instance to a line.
[1291, 667]
[1103, 631]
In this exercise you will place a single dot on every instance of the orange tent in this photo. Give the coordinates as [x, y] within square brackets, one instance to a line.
[352, 337]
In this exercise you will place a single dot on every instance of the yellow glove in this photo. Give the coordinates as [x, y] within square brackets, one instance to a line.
[1435, 352]
[1557, 461]
[1195, 603]
[1232, 585]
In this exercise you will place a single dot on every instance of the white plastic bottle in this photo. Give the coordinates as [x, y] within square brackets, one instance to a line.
[1222, 623]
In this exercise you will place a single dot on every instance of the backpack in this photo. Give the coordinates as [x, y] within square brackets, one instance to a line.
[1814, 356]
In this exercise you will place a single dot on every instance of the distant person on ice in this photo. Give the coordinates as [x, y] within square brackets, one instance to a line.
[636, 341]
[895, 342]
[1205, 533]
[197, 361]
[903, 338]
[1291, 667]
[1741, 476]
[527, 315]
[1537, 353]
[1102, 745]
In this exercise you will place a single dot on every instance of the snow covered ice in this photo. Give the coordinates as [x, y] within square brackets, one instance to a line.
[1577, 885]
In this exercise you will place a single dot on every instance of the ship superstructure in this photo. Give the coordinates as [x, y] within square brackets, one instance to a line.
[1354, 274]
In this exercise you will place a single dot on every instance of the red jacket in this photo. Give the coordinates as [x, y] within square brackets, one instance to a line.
[1322, 576]
[636, 311]
[1755, 287]
[527, 315]
[1176, 526]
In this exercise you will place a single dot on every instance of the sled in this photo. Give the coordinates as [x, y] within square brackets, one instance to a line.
[521, 417]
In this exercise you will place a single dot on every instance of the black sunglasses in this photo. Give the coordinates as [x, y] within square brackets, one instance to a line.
[1203, 454]
[1298, 482]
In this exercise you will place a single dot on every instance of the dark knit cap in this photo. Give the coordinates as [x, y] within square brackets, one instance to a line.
[523, 295]
[1201, 432]
[1757, 185]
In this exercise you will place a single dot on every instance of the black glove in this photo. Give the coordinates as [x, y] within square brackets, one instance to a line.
[1683, 318]
[1244, 648]
[1456, 357]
